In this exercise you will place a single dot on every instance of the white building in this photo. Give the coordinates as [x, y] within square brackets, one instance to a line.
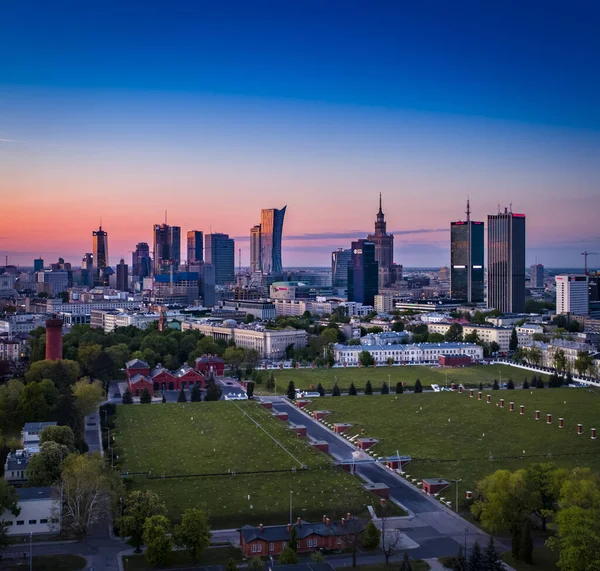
[526, 332]
[486, 333]
[22, 323]
[386, 338]
[40, 513]
[297, 307]
[384, 303]
[270, 343]
[85, 308]
[572, 295]
[426, 353]
[434, 317]
[356, 309]
[31, 435]
[109, 320]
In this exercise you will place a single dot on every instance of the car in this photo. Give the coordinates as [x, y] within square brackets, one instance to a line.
[435, 388]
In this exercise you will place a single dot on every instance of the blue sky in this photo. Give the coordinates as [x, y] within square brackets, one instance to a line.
[218, 110]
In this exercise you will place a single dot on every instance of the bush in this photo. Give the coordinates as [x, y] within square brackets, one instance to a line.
[385, 390]
[145, 397]
[127, 397]
[321, 390]
[495, 386]
[288, 556]
[418, 386]
[399, 388]
[352, 390]
[335, 392]
[369, 388]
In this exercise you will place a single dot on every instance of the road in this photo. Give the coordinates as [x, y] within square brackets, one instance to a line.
[436, 529]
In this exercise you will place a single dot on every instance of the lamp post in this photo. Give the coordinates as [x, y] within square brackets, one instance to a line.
[500, 373]
[456, 502]
[30, 550]
[291, 517]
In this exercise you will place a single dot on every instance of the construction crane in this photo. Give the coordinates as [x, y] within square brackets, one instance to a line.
[585, 256]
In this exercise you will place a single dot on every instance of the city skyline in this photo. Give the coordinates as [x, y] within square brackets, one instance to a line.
[428, 106]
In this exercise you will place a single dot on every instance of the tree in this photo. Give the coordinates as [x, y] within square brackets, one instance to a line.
[9, 501]
[513, 344]
[460, 563]
[145, 397]
[525, 383]
[372, 537]
[366, 359]
[194, 533]
[87, 354]
[213, 391]
[320, 390]
[583, 362]
[495, 386]
[86, 486]
[418, 386]
[476, 558]
[510, 385]
[398, 326]
[352, 390]
[163, 399]
[491, 558]
[62, 372]
[534, 355]
[454, 333]
[158, 539]
[67, 413]
[494, 347]
[390, 538]
[526, 547]
[560, 360]
[472, 337]
[315, 557]
[38, 400]
[127, 397]
[288, 556]
[250, 389]
[540, 383]
[291, 390]
[181, 397]
[368, 388]
[59, 434]
[138, 507]
[196, 393]
[385, 389]
[399, 388]
[541, 482]
[44, 468]
[88, 396]
[256, 564]
[480, 386]
[231, 565]
[569, 379]
[335, 392]
[405, 565]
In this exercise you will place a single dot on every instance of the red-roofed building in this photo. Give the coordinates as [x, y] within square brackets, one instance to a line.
[208, 364]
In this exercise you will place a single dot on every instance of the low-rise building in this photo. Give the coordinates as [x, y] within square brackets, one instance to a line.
[486, 333]
[356, 309]
[110, 319]
[22, 323]
[11, 349]
[40, 513]
[16, 465]
[571, 350]
[426, 353]
[261, 309]
[511, 319]
[386, 338]
[384, 303]
[140, 377]
[526, 332]
[31, 435]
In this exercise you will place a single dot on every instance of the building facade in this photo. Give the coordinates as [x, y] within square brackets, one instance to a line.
[179, 288]
[506, 262]
[219, 250]
[166, 253]
[122, 276]
[572, 294]
[141, 263]
[536, 276]
[466, 259]
[100, 251]
[40, 513]
[384, 248]
[340, 260]
[363, 273]
[384, 303]
[271, 234]
[486, 333]
[255, 249]
[195, 247]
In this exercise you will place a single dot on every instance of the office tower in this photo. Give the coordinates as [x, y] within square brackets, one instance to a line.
[572, 294]
[255, 249]
[87, 270]
[506, 262]
[100, 251]
[444, 274]
[594, 287]
[195, 246]
[271, 232]
[38, 265]
[384, 248]
[141, 264]
[54, 340]
[219, 251]
[536, 275]
[167, 248]
[339, 268]
[122, 276]
[466, 259]
[363, 272]
[207, 285]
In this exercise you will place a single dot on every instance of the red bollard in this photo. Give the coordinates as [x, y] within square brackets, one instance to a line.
[489, 399]
[501, 403]
[460, 389]
[561, 423]
[468, 494]
[538, 415]
[512, 407]
[471, 393]
[593, 434]
[521, 409]
[580, 429]
[479, 395]
[548, 419]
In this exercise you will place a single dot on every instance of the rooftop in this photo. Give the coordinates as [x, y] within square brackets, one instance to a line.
[36, 426]
[30, 494]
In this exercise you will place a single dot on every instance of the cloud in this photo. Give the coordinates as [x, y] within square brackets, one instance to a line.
[349, 234]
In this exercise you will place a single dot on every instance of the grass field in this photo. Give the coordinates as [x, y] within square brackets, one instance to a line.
[543, 560]
[468, 376]
[453, 436]
[213, 446]
[65, 562]
[181, 559]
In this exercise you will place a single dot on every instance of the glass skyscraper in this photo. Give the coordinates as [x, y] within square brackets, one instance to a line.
[100, 251]
[271, 233]
[220, 252]
[195, 246]
[141, 264]
[255, 249]
[167, 248]
[363, 272]
[506, 262]
[339, 267]
[466, 260]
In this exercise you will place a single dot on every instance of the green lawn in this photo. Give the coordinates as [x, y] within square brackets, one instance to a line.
[46, 563]
[544, 559]
[468, 376]
[415, 565]
[217, 438]
[179, 559]
[453, 436]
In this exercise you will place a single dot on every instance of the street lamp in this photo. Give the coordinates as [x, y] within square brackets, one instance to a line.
[30, 550]
[291, 517]
[500, 373]
[456, 503]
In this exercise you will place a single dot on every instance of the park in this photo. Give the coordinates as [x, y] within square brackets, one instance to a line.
[236, 461]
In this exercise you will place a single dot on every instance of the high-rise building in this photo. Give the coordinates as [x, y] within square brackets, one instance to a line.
[384, 248]
[572, 294]
[207, 284]
[255, 249]
[87, 270]
[466, 259]
[195, 247]
[271, 233]
[38, 265]
[219, 251]
[340, 259]
[141, 263]
[167, 248]
[363, 273]
[100, 251]
[536, 275]
[506, 262]
[122, 276]
[594, 287]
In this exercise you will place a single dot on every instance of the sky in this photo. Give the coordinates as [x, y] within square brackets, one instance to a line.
[116, 111]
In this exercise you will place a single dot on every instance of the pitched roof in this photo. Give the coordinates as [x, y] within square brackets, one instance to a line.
[184, 370]
[139, 378]
[37, 426]
[136, 364]
[209, 359]
[25, 494]
[159, 370]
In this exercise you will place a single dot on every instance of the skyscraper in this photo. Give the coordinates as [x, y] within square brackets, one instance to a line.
[195, 246]
[38, 265]
[87, 270]
[122, 276]
[339, 268]
[384, 248]
[100, 250]
[466, 259]
[363, 273]
[271, 232]
[220, 252]
[506, 262]
[167, 248]
[536, 275]
[255, 249]
[141, 264]
[572, 294]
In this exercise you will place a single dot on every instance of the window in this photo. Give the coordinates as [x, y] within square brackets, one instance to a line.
[32, 521]
[283, 544]
[253, 548]
[8, 523]
[339, 541]
[271, 547]
[20, 522]
[43, 521]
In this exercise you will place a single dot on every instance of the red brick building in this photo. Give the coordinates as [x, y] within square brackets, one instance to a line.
[434, 485]
[454, 360]
[271, 540]
[208, 364]
[140, 377]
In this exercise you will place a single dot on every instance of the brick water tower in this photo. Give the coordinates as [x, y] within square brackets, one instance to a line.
[54, 338]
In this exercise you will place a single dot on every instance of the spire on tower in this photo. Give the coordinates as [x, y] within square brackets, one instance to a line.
[468, 212]
[380, 211]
